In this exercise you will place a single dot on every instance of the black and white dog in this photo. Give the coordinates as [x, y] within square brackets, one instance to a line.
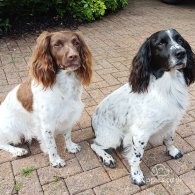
[151, 105]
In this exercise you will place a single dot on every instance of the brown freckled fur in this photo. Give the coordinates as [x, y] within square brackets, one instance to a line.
[25, 95]
[85, 71]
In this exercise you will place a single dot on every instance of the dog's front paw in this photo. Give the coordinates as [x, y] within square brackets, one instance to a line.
[20, 152]
[138, 178]
[73, 148]
[58, 162]
[108, 161]
[175, 153]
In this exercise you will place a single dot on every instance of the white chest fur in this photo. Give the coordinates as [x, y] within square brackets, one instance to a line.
[62, 102]
[164, 102]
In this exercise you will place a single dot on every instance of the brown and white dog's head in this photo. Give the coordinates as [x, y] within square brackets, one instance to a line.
[60, 50]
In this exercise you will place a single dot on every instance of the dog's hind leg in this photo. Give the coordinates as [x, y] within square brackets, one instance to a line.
[15, 151]
[104, 156]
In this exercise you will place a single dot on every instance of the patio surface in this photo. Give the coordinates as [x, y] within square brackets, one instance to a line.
[114, 40]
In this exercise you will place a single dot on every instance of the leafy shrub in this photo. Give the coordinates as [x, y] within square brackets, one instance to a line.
[91, 9]
[115, 4]
[87, 9]
[122, 3]
[14, 11]
[111, 5]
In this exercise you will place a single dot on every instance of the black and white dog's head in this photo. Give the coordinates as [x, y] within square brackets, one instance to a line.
[163, 51]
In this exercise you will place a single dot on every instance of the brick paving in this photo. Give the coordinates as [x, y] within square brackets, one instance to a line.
[114, 40]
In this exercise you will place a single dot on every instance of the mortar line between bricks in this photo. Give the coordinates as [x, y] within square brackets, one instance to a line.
[20, 78]
[5, 76]
[83, 191]
[123, 161]
[188, 142]
[13, 177]
[39, 180]
[100, 76]
[62, 177]
[120, 81]
[14, 63]
[80, 163]
[188, 110]
[1, 60]
[93, 190]
[162, 186]
[66, 187]
[117, 76]
[88, 188]
[187, 123]
[184, 174]
[191, 116]
[152, 185]
[162, 183]
[27, 62]
[18, 46]
[175, 174]
[5, 162]
[107, 173]
[130, 167]
[109, 87]
[88, 114]
[28, 157]
[111, 182]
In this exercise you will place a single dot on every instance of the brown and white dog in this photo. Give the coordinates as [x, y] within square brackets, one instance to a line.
[50, 102]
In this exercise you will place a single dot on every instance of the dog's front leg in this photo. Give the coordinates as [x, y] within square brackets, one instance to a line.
[174, 152]
[134, 156]
[70, 146]
[49, 142]
[169, 143]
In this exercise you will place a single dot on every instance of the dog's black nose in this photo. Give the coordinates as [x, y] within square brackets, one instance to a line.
[180, 54]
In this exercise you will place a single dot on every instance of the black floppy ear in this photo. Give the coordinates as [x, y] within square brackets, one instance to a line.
[140, 72]
[189, 71]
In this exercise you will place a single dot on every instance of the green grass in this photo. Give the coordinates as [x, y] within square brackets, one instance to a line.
[56, 178]
[18, 186]
[27, 171]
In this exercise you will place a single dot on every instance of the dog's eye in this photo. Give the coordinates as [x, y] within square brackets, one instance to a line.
[58, 44]
[76, 43]
[180, 41]
[161, 43]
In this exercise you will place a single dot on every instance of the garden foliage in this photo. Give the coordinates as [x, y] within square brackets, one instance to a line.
[12, 11]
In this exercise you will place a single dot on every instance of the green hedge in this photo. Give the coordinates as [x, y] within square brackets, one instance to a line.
[12, 11]
[91, 9]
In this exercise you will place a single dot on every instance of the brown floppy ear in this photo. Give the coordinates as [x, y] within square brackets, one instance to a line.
[42, 67]
[85, 71]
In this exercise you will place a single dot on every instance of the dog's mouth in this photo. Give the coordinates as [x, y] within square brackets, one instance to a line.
[179, 66]
[69, 66]
[175, 67]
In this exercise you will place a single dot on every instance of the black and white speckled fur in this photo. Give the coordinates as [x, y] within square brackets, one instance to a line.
[134, 114]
